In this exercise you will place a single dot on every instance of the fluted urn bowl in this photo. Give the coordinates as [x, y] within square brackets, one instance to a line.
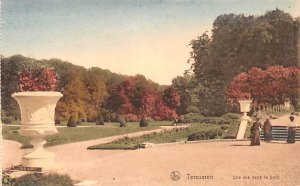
[245, 105]
[37, 112]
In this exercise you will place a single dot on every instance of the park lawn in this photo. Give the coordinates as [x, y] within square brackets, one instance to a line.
[175, 135]
[75, 134]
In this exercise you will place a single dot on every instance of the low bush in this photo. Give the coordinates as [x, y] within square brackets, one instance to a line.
[71, 122]
[99, 120]
[91, 119]
[198, 118]
[37, 180]
[43, 180]
[143, 122]
[7, 119]
[106, 118]
[122, 121]
[205, 135]
[232, 130]
[57, 121]
[78, 122]
[192, 117]
[197, 136]
[232, 116]
[213, 134]
[7, 180]
[224, 127]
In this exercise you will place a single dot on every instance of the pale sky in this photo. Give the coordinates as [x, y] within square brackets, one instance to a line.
[125, 36]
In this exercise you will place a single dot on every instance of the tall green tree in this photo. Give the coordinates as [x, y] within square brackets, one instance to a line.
[75, 98]
[96, 88]
[237, 43]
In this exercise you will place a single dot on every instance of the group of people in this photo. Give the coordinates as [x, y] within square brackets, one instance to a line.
[267, 128]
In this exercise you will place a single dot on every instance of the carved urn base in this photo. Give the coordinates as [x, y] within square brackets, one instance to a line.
[38, 157]
[37, 120]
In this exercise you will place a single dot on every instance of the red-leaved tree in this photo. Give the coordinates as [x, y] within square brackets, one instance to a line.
[270, 86]
[136, 97]
[37, 79]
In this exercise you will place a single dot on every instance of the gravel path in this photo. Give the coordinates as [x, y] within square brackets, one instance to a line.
[11, 153]
[226, 163]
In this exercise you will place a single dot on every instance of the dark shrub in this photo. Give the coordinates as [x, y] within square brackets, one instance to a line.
[57, 121]
[205, 135]
[78, 122]
[213, 134]
[7, 180]
[122, 121]
[197, 136]
[99, 120]
[71, 121]
[143, 122]
[232, 116]
[224, 127]
[193, 117]
[7, 119]
[90, 119]
[45, 180]
[106, 117]
[198, 118]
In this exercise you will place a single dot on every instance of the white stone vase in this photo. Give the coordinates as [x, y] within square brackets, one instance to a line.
[37, 120]
[245, 108]
[287, 105]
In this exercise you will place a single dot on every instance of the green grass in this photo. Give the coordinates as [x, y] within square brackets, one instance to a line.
[174, 135]
[76, 134]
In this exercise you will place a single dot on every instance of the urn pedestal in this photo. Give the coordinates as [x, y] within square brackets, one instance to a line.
[37, 121]
[244, 107]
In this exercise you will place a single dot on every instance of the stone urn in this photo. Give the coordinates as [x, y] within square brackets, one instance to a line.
[287, 105]
[37, 120]
[244, 108]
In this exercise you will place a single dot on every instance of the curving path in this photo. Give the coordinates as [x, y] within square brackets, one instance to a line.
[12, 153]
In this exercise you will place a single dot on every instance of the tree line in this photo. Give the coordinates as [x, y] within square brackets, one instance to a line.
[91, 92]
